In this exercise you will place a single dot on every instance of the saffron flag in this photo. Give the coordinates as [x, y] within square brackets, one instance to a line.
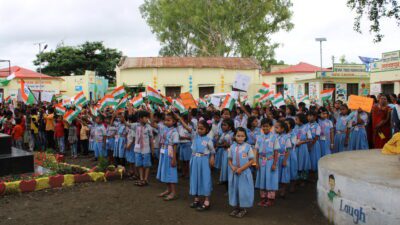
[26, 94]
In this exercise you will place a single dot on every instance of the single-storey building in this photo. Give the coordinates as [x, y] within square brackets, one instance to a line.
[197, 75]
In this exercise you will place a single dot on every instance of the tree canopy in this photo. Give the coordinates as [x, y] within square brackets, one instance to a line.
[218, 28]
[67, 60]
[375, 10]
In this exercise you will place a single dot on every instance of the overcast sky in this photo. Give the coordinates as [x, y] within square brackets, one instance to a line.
[119, 24]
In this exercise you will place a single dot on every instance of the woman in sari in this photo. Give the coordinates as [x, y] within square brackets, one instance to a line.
[381, 122]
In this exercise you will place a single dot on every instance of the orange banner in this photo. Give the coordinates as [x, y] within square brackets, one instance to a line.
[356, 102]
[188, 100]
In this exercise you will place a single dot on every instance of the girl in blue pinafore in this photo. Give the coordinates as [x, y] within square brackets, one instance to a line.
[167, 167]
[203, 155]
[326, 137]
[91, 139]
[303, 136]
[185, 143]
[120, 141]
[293, 155]
[252, 130]
[223, 143]
[240, 179]
[267, 178]
[315, 148]
[285, 146]
[341, 130]
[358, 134]
[111, 130]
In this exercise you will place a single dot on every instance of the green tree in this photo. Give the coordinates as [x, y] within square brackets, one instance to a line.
[218, 28]
[375, 10]
[67, 60]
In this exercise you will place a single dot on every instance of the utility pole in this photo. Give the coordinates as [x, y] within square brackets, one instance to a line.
[40, 66]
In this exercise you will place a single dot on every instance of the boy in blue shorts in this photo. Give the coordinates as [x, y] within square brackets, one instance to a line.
[143, 146]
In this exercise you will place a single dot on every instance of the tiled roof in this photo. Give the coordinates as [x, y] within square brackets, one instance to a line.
[302, 67]
[189, 62]
[24, 73]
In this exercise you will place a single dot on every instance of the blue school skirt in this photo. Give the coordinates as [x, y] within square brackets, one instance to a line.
[119, 147]
[99, 149]
[241, 189]
[223, 175]
[284, 172]
[200, 175]
[340, 138]
[91, 148]
[166, 173]
[110, 142]
[293, 165]
[266, 179]
[325, 147]
[218, 158]
[303, 158]
[185, 151]
[315, 155]
[358, 139]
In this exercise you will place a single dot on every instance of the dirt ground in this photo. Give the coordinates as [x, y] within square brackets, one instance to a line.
[120, 202]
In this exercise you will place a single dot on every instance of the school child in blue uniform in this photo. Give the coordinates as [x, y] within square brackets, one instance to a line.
[158, 126]
[120, 141]
[326, 139]
[358, 134]
[252, 130]
[130, 148]
[223, 144]
[99, 138]
[111, 131]
[314, 147]
[240, 179]
[185, 143]
[285, 146]
[203, 156]
[341, 130]
[266, 163]
[143, 147]
[91, 140]
[293, 155]
[303, 137]
[167, 167]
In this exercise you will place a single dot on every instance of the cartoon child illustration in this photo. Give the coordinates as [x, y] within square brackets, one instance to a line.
[331, 195]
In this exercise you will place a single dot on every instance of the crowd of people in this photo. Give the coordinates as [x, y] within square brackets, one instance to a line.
[271, 149]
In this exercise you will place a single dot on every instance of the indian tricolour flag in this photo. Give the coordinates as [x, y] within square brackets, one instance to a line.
[71, 115]
[154, 96]
[304, 98]
[228, 103]
[8, 100]
[79, 98]
[60, 109]
[137, 101]
[278, 100]
[119, 92]
[326, 94]
[122, 102]
[94, 110]
[177, 103]
[107, 100]
[26, 94]
[66, 103]
[264, 88]
[266, 97]
[202, 102]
